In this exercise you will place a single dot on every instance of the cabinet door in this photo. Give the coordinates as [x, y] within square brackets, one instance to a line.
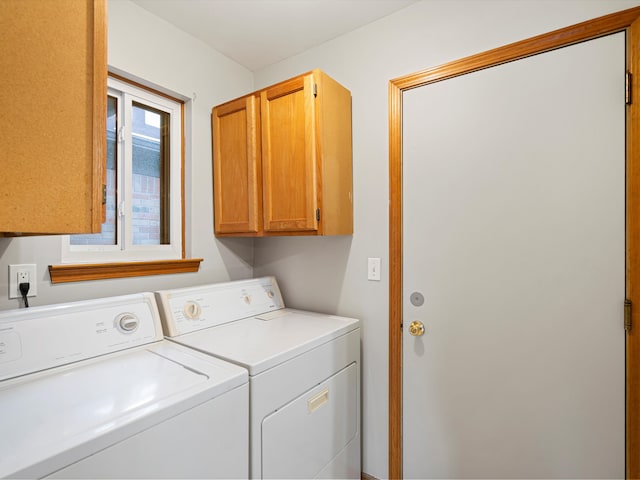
[290, 178]
[236, 166]
[53, 72]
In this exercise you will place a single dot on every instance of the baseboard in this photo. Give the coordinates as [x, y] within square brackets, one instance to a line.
[366, 476]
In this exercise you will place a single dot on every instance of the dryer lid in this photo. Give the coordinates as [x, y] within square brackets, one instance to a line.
[61, 415]
[262, 342]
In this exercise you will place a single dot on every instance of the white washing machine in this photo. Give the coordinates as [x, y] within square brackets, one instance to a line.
[92, 390]
[304, 373]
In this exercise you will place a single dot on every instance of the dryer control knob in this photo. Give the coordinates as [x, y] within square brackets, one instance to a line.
[127, 322]
[247, 299]
[192, 310]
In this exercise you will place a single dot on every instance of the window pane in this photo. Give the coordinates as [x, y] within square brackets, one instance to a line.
[108, 232]
[150, 209]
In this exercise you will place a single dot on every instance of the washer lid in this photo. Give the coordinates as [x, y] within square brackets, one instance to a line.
[53, 418]
[262, 342]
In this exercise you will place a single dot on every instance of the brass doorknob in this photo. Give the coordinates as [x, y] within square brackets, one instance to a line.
[416, 328]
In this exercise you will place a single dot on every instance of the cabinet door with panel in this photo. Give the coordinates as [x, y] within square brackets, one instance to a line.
[53, 72]
[302, 162]
[289, 162]
[237, 183]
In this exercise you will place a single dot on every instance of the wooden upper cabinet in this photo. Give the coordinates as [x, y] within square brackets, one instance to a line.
[302, 167]
[53, 72]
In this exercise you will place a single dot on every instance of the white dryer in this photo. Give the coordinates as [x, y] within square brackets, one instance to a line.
[92, 390]
[304, 373]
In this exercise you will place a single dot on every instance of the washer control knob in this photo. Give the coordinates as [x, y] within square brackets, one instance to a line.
[270, 293]
[247, 299]
[127, 322]
[192, 310]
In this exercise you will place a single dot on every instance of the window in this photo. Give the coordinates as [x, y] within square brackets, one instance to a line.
[144, 181]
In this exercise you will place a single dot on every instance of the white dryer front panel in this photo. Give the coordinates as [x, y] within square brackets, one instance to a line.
[300, 439]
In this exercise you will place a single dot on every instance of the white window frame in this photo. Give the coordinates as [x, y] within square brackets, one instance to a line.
[125, 250]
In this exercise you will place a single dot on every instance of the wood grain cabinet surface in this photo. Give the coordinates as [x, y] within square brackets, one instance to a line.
[282, 160]
[53, 73]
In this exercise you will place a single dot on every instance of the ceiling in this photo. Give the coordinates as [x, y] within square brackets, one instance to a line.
[258, 33]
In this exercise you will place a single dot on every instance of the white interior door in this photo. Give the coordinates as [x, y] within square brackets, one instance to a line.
[513, 234]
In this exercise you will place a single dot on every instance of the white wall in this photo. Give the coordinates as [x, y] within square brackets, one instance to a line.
[329, 274]
[145, 47]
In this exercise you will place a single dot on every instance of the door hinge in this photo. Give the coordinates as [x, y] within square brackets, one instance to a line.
[627, 85]
[315, 89]
[627, 315]
[104, 194]
[317, 214]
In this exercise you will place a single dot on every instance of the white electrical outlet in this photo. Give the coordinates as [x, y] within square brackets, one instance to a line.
[23, 273]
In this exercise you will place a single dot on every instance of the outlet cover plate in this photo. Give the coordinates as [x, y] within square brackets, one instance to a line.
[14, 290]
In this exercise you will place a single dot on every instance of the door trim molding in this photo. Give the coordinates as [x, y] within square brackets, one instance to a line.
[628, 21]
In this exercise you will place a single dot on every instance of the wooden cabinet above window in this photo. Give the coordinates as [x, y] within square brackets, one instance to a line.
[282, 160]
[53, 72]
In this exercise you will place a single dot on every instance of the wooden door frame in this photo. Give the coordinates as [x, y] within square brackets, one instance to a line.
[625, 21]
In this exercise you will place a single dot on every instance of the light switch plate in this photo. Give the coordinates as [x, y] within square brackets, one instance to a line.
[373, 269]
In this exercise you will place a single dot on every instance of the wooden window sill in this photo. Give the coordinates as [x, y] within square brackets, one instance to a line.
[101, 271]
